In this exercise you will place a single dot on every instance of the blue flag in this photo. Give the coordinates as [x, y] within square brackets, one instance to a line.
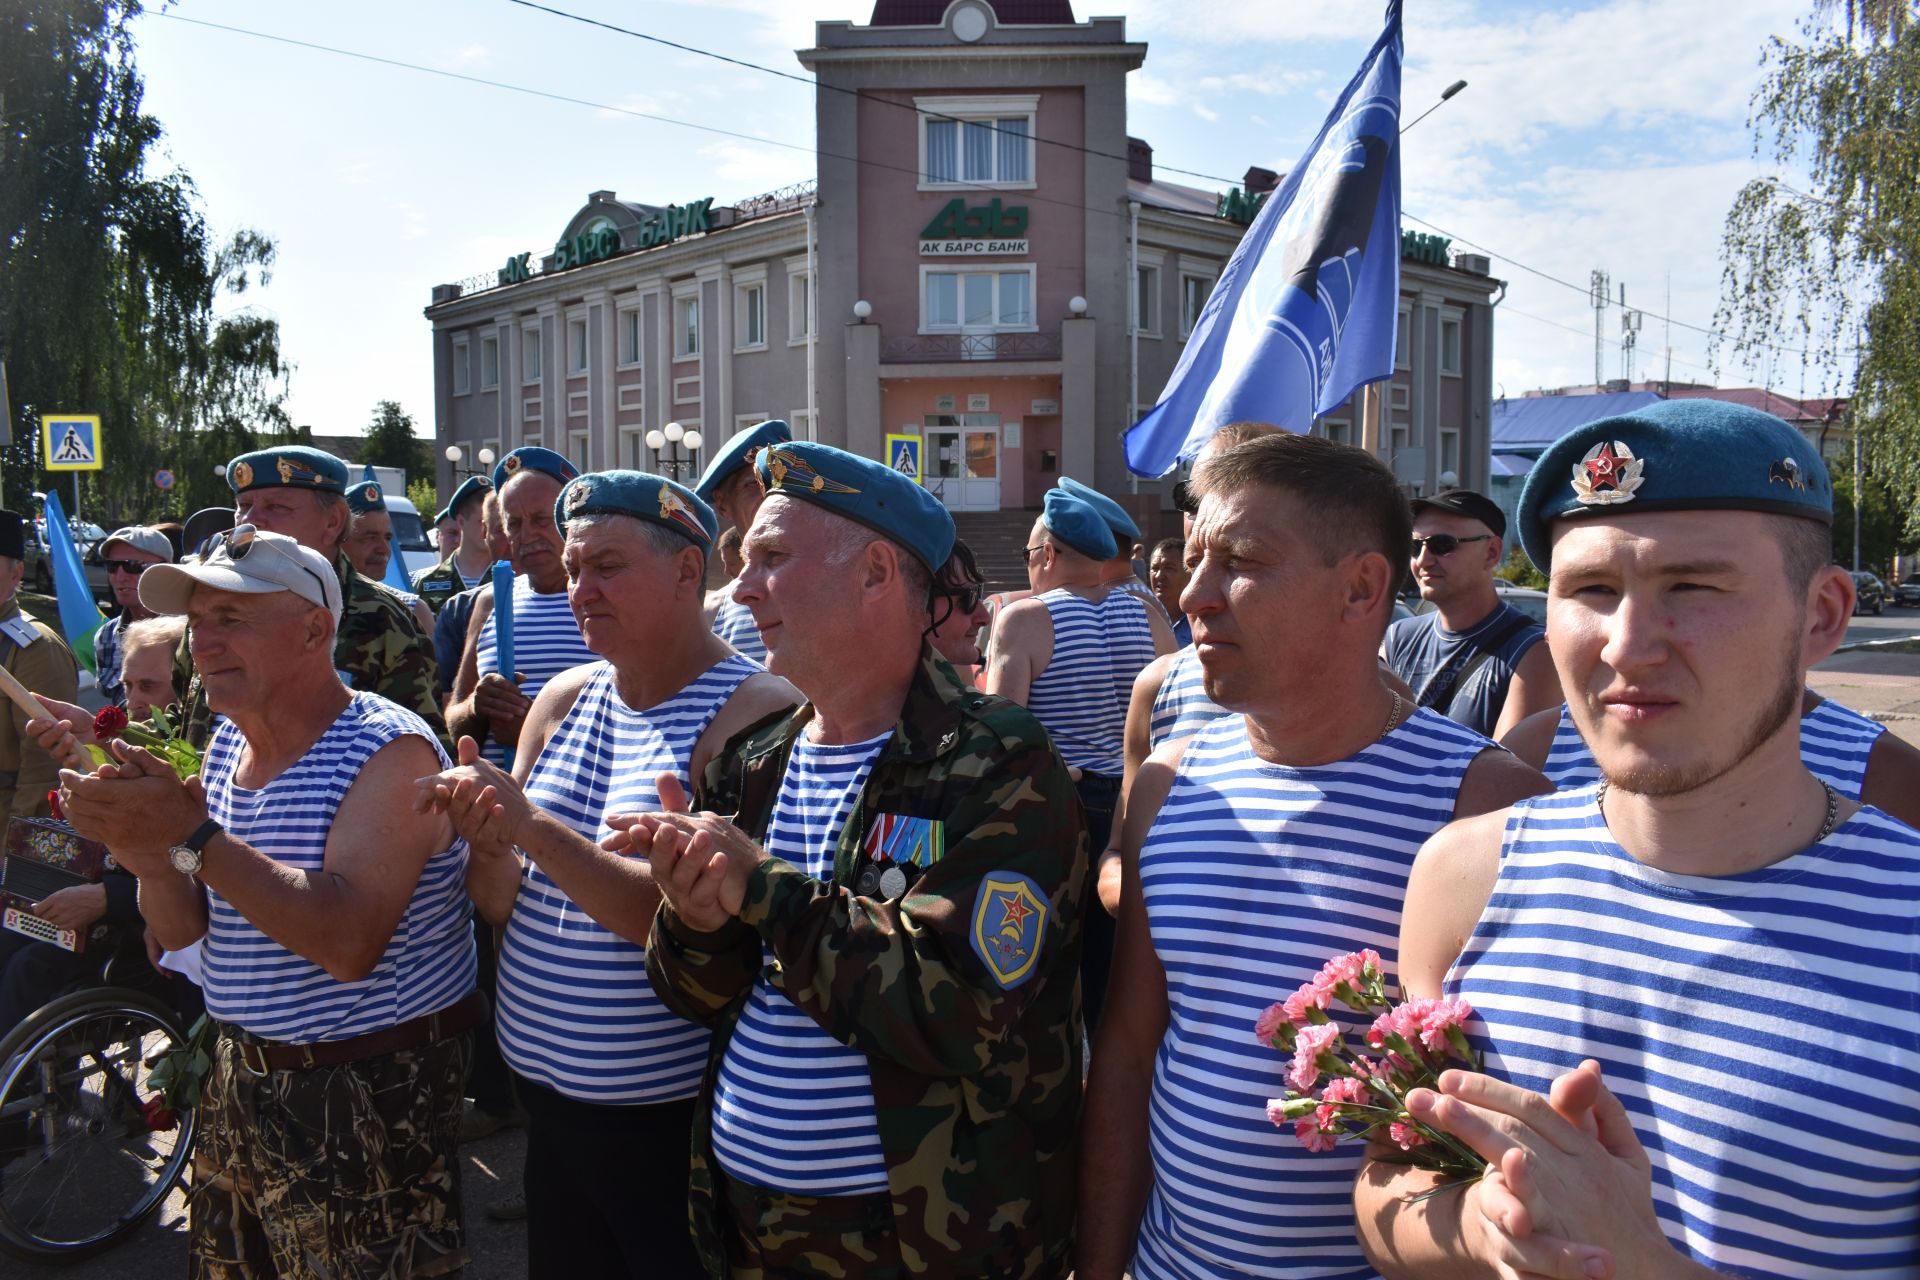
[80, 617]
[396, 571]
[1304, 310]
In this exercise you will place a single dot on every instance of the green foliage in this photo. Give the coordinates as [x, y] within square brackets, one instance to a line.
[1835, 268]
[1882, 528]
[110, 276]
[1519, 570]
[391, 443]
[422, 494]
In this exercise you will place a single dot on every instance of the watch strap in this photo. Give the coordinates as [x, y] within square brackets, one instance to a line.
[202, 836]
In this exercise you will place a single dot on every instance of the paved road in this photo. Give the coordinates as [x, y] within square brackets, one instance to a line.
[1893, 623]
[489, 1169]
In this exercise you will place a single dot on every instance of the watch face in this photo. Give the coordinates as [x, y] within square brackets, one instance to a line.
[186, 861]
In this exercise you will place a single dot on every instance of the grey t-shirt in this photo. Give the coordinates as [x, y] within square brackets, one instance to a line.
[1420, 650]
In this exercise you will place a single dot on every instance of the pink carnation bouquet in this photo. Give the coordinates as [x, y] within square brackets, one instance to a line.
[1336, 1090]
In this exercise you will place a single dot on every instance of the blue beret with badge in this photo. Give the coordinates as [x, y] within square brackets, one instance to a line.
[1078, 523]
[470, 488]
[1676, 455]
[365, 496]
[739, 452]
[644, 497]
[288, 466]
[533, 458]
[862, 490]
[1125, 531]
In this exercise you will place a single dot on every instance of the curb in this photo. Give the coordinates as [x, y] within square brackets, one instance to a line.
[1897, 642]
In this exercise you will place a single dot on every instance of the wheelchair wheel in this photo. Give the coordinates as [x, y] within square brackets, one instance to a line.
[79, 1166]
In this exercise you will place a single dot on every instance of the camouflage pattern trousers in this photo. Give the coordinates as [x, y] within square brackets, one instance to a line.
[331, 1172]
[772, 1236]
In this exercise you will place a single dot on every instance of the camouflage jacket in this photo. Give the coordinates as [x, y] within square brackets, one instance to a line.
[440, 584]
[961, 988]
[379, 649]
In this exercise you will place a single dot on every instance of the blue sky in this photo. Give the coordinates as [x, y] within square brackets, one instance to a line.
[1606, 134]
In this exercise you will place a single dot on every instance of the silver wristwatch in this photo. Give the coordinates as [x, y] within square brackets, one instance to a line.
[186, 856]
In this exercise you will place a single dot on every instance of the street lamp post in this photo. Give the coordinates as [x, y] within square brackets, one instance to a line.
[458, 457]
[680, 438]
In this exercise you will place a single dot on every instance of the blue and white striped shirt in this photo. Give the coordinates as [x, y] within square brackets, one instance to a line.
[546, 641]
[1762, 1030]
[1099, 647]
[576, 1012]
[793, 1108]
[253, 982]
[1182, 705]
[733, 622]
[1835, 743]
[1254, 876]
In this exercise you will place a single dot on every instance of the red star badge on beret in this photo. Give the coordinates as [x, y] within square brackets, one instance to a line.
[1603, 469]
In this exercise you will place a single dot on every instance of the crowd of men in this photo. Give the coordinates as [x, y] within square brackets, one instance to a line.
[811, 940]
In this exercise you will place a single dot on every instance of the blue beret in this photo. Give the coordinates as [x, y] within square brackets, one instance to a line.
[1124, 529]
[290, 466]
[738, 452]
[533, 458]
[862, 490]
[470, 487]
[1675, 455]
[1078, 523]
[644, 497]
[365, 496]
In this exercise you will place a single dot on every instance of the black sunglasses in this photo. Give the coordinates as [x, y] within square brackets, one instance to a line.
[134, 567]
[1444, 544]
[966, 599]
[238, 541]
[1026, 556]
[1183, 499]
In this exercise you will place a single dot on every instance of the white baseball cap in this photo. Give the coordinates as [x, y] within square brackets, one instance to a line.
[248, 560]
[140, 538]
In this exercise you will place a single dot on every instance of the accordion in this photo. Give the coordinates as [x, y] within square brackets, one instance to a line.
[42, 857]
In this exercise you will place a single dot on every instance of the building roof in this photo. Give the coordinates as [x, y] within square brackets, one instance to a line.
[1171, 195]
[1779, 406]
[928, 13]
[1529, 424]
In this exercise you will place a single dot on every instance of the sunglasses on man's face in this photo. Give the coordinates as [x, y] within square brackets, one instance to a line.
[966, 599]
[1183, 499]
[1444, 544]
[134, 567]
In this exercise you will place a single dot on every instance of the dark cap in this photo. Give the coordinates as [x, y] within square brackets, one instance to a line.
[1465, 502]
[13, 535]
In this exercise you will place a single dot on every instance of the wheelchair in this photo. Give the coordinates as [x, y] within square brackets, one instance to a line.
[80, 1166]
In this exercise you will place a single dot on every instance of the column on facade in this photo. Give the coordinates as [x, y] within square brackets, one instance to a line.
[1078, 417]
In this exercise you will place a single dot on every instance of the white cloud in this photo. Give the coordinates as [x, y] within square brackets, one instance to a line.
[750, 168]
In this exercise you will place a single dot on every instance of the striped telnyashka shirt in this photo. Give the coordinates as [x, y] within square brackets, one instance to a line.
[1254, 876]
[1099, 647]
[793, 1107]
[1762, 1030]
[733, 622]
[252, 981]
[1182, 705]
[1835, 742]
[546, 641]
[576, 1012]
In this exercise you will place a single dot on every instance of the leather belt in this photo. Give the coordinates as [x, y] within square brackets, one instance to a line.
[263, 1056]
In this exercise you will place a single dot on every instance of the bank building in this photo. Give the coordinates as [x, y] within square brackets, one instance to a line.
[985, 269]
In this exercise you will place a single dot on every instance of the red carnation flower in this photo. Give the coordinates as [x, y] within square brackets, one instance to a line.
[109, 723]
[158, 1115]
[53, 805]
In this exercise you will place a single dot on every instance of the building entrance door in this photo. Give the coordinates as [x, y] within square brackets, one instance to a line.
[963, 460]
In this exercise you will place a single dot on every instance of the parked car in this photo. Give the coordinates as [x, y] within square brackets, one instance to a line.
[1870, 594]
[86, 536]
[1908, 592]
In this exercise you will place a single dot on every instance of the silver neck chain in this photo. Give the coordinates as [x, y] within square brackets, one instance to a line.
[1826, 828]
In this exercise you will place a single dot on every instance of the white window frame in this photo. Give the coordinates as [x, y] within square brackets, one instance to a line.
[802, 423]
[745, 284]
[1449, 438]
[800, 317]
[1150, 266]
[633, 449]
[621, 319]
[682, 298]
[1399, 436]
[489, 341]
[534, 365]
[1186, 322]
[747, 421]
[577, 323]
[978, 107]
[996, 270]
[1344, 428]
[462, 365]
[578, 440]
[1403, 337]
[1455, 320]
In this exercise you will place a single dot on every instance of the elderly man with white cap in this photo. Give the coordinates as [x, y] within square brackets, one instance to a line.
[126, 553]
[339, 958]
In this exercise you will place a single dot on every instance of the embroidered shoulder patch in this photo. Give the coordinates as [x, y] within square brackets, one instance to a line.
[1009, 923]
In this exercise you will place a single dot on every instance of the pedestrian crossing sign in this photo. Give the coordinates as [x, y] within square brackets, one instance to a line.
[71, 441]
[903, 455]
